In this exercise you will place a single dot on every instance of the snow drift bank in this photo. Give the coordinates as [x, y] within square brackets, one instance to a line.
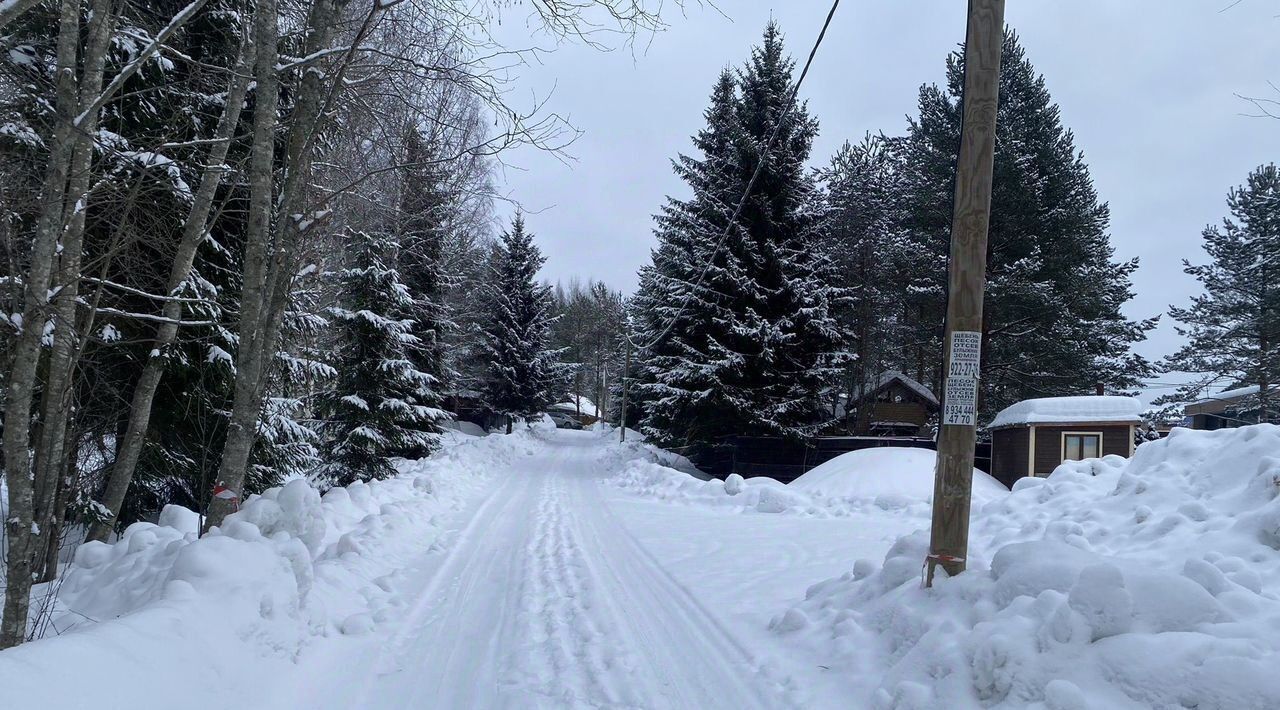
[1111, 584]
[887, 471]
[211, 619]
[887, 479]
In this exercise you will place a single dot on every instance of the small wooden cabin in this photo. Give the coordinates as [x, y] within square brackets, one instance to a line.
[893, 404]
[1032, 437]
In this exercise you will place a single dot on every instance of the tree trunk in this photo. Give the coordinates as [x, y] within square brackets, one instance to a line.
[26, 347]
[50, 460]
[244, 408]
[193, 232]
[269, 267]
[67, 483]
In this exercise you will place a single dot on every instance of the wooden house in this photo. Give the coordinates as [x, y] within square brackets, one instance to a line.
[1032, 437]
[892, 404]
[1232, 408]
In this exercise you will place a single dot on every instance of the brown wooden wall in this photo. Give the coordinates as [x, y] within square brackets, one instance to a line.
[1009, 451]
[1116, 439]
[913, 412]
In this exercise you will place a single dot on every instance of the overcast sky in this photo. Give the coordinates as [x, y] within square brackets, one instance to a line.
[1149, 88]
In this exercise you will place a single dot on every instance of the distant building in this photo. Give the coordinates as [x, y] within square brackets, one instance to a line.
[1232, 408]
[469, 406]
[892, 404]
[1032, 437]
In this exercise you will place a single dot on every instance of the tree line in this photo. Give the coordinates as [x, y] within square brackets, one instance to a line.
[245, 240]
[834, 275]
[780, 323]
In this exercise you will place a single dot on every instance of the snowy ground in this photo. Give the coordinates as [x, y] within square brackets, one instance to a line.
[553, 569]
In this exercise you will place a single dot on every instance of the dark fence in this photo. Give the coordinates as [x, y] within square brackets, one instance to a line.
[787, 460]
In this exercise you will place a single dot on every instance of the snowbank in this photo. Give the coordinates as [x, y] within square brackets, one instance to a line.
[759, 494]
[873, 481]
[1111, 584]
[456, 427]
[887, 471]
[213, 614]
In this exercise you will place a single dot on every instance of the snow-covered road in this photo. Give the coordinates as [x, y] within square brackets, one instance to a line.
[554, 569]
[545, 599]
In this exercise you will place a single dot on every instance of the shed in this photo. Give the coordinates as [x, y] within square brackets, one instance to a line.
[1032, 437]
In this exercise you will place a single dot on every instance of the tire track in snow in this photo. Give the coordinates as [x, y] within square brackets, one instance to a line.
[545, 600]
[448, 652]
[574, 656]
[704, 665]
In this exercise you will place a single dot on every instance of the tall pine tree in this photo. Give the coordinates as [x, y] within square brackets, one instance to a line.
[371, 413]
[523, 372]
[1052, 321]
[749, 347]
[1233, 328]
[862, 230]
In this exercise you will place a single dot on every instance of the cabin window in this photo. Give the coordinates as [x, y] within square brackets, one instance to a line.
[1077, 446]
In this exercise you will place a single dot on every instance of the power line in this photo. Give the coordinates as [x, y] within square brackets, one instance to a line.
[746, 193]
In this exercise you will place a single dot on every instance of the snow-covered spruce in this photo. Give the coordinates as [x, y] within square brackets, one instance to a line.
[747, 348]
[372, 410]
[1053, 314]
[1232, 329]
[523, 372]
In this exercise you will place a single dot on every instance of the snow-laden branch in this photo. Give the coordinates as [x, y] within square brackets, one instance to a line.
[146, 294]
[151, 317]
[145, 55]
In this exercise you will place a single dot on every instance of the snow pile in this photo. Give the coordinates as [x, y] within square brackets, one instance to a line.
[1112, 584]
[289, 567]
[892, 472]
[872, 481]
[461, 427]
[760, 494]
[618, 454]
[1071, 410]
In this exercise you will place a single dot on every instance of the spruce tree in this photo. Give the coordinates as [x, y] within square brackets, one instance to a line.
[423, 217]
[1233, 328]
[1052, 321]
[370, 412]
[749, 347]
[523, 372]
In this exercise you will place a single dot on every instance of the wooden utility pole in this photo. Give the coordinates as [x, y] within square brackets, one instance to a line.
[971, 213]
[626, 377]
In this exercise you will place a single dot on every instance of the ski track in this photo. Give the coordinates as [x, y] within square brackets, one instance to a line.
[545, 600]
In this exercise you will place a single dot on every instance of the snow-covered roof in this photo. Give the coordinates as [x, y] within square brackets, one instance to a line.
[1071, 410]
[1233, 394]
[890, 375]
